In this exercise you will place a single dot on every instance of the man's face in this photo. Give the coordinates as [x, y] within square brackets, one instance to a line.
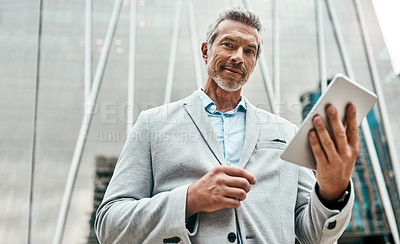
[232, 56]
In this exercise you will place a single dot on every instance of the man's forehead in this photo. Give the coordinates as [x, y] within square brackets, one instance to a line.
[235, 29]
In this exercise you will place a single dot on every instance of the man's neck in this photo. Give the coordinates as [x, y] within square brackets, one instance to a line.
[225, 101]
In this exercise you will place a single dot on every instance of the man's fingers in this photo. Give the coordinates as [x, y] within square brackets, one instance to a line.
[316, 148]
[239, 172]
[328, 146]
[338, 130]
[230, 203]
[352, 128]
[238, 182]
[236, 193]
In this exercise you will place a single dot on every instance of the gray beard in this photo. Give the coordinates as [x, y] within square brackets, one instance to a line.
[221, 82]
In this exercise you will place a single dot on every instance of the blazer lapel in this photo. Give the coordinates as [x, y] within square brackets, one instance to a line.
[196, 112]
[252, 132]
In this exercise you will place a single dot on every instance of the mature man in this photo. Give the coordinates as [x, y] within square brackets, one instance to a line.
[206, 169]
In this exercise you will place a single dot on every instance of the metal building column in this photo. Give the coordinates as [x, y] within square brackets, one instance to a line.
[172, 55]
[321, 45]
[366, 130]
[130, 113]
[34, 125]
[80, 144]
[276, 58]
[88, 51]
[195, 46]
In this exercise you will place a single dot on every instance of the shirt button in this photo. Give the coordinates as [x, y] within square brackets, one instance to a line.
[232, 237]
[213, 108]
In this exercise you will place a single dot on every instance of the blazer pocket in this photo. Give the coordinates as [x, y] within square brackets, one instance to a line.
[270, 145]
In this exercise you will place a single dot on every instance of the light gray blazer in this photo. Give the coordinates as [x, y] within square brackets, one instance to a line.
[174, 145]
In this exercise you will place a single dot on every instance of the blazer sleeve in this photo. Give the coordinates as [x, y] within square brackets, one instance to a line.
[314, 222]
[129, 213]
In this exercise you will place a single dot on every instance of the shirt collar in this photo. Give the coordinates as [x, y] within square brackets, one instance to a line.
[210, 107]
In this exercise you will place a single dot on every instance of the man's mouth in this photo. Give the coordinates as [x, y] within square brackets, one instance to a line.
[233, 70]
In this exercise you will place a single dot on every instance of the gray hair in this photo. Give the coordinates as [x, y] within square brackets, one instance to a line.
[238, 14]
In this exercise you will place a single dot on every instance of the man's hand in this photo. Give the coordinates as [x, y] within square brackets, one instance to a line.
[335, 156]
[222, 187]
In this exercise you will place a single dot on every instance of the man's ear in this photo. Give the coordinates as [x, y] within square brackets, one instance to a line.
[204, 51]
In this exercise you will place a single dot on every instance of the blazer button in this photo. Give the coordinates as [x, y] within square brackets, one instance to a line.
[232, 237]
[332, 225]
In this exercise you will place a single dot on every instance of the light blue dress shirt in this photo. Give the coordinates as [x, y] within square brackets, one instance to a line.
[229, 128]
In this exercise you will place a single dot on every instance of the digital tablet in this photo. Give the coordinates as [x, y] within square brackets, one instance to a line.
[340, 92]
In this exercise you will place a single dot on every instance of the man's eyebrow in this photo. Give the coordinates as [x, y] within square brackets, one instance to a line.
[252, 46]
[233, 40]
[228, 38]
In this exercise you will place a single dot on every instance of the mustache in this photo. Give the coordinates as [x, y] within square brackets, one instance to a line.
[235, 66]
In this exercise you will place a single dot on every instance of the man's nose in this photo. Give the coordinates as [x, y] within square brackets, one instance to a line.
[237, 56]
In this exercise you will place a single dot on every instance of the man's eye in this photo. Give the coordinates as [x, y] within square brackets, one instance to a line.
[249, 51]
[227, 44]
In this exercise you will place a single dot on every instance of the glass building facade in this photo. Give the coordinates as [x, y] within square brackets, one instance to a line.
[61, 103]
